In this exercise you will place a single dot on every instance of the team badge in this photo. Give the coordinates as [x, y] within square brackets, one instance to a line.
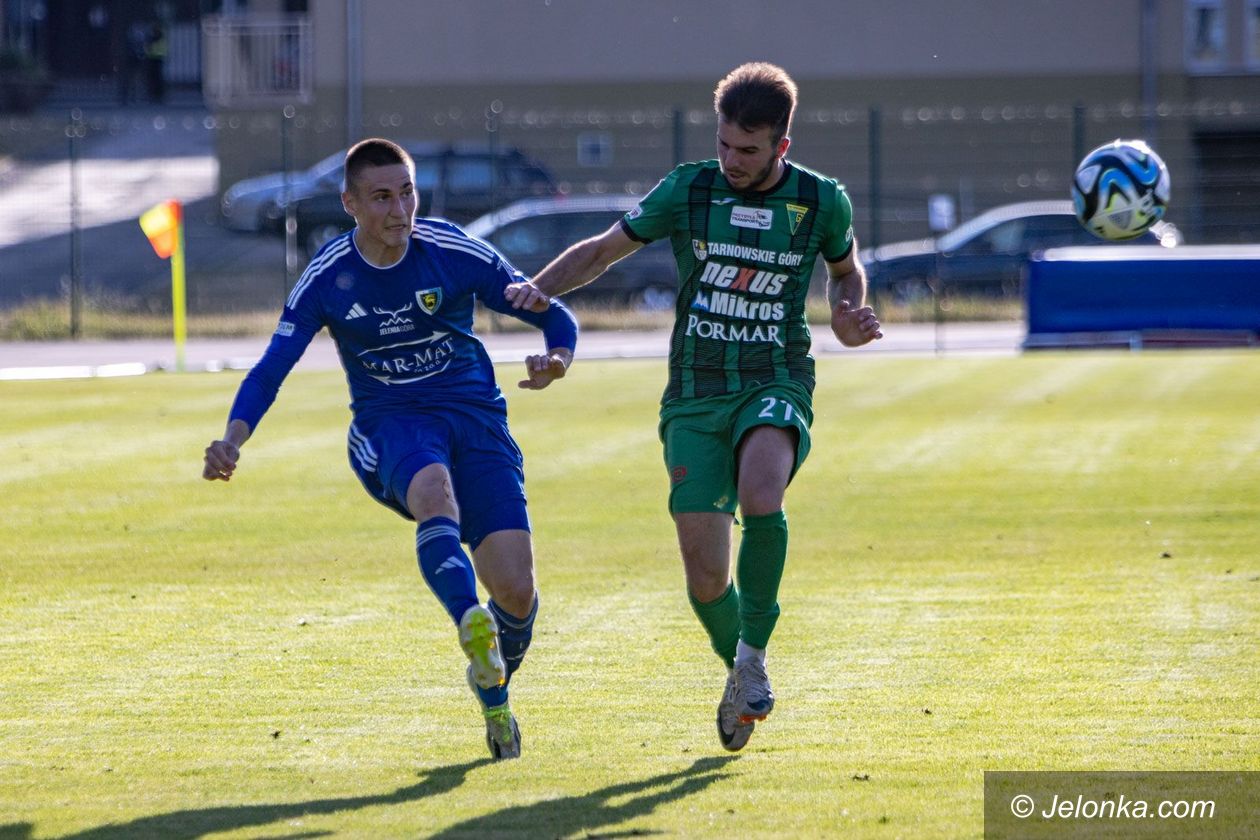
[429, 300]
[700, 248]
[796, 215]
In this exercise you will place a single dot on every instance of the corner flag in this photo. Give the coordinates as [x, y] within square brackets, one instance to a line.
[163, 224]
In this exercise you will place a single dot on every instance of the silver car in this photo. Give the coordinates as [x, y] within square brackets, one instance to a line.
[249, 205]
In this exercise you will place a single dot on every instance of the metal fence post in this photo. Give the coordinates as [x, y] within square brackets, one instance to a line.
[680, 135]
[74, 131]
[1078, 133]
[290, 211]
[875, 161]
[492, 147]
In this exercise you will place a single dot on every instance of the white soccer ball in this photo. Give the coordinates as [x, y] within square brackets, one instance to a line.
[1121, 189]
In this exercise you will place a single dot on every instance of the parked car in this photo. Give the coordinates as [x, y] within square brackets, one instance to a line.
[987, 254]
[532, 232]
[249, 205]
[456, 182]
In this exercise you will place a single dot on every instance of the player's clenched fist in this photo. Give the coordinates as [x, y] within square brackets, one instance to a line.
[221, 458]
[526, 296]
[543, 369]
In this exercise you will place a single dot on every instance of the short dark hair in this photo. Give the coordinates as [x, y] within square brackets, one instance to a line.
[375, 151]
[756, 95]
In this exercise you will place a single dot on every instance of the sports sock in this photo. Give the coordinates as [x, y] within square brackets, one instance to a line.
[745, 652]
[720, 618]
[445, 566]
[759, 569]
[514, 634]
[491, 697]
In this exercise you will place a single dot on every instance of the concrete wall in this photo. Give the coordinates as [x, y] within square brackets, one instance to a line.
[436, 42]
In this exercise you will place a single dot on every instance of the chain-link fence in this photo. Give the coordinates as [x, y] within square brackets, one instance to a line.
[74, 184]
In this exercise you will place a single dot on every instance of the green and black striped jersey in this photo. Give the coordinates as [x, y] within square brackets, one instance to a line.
[744, 265]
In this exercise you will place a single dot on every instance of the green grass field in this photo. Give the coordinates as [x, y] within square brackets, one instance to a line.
[1045, 562]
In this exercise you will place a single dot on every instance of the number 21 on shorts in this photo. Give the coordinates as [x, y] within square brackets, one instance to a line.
[773, 405]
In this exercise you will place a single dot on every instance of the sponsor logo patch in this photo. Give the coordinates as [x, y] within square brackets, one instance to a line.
[356, 311]
[410, 361]
[395, 322]
[677, 474]
[284, 328]
[755, 218]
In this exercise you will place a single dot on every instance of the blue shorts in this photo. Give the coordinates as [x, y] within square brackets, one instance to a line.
[485, 464]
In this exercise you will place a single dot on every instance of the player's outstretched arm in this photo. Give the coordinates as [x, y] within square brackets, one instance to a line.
[577, 266]
[222, 455]
[852, 322]
[543, 369]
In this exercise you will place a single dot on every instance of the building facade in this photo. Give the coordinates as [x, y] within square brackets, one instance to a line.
[982, 101]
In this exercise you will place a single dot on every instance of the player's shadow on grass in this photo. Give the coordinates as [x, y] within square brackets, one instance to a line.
[198, 822]
[552, 818]
[588, 812]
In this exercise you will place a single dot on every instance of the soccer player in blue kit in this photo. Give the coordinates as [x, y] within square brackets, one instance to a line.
[429, 436]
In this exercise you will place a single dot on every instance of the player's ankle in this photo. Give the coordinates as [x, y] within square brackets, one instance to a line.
[745, 652]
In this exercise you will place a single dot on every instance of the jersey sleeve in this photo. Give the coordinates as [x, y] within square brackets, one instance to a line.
[299, 322]
[654, 217]
[558, 325]
[837, 240]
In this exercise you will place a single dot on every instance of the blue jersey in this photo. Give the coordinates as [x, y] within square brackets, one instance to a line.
[404, 333]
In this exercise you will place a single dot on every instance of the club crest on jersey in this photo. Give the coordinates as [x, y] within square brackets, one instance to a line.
[796, 215]
[429, 300]
[700, 248]
[755, 218]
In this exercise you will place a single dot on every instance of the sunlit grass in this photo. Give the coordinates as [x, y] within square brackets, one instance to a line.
[1044, 562]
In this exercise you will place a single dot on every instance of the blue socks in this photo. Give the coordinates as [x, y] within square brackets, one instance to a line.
[514, 634]
[449, 573]
[445, 566]
[514, 637]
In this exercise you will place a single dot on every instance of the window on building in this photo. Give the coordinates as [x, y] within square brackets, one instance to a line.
[1253, 35]
[595, 148]
[1205, 35]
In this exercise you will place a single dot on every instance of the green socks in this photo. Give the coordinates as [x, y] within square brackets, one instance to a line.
[758, 570]
[751, 613]
[721, 620]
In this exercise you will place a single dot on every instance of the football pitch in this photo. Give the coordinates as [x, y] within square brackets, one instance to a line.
[1043, 562]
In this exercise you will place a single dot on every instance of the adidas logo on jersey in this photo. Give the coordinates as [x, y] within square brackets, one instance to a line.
[356, 311]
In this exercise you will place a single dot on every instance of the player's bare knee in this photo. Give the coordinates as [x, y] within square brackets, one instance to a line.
[516, 596]
[707, 587]
[706, 578]
[761, 502]
[430, 494]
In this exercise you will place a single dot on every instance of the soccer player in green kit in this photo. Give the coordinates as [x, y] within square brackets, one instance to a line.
[747, 229]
